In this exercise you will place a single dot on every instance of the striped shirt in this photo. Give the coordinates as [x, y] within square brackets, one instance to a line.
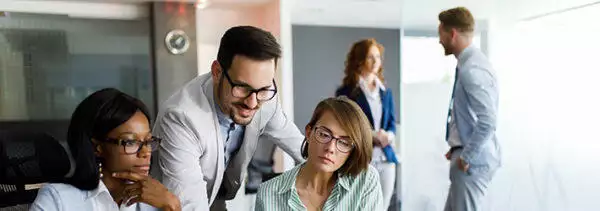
[362, 192]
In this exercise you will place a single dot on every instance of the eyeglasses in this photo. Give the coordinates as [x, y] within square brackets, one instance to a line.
[244, 91]
[132, 146]
[323, 136]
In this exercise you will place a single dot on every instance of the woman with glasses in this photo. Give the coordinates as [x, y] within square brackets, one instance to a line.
[336, 174]
[110, 141]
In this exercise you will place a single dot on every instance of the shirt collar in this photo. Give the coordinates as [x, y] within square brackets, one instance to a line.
[289, 182]
[101, 189]
[289, 179]
[464, 55]
[363, 84]
[344, 181]
[224, 120]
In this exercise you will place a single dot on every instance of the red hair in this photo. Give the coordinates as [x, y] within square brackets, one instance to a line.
[356, 59]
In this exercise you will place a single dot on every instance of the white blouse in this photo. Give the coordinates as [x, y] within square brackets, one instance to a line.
[374, 99]
[65, 197]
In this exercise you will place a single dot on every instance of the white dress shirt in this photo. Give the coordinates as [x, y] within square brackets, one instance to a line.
[453, 137]
[374, 99]
[65, 197]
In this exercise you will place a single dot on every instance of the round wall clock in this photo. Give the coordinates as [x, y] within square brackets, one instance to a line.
[177, 41]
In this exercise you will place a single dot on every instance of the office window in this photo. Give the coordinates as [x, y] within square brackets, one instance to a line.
[423, 60]
[50, 63]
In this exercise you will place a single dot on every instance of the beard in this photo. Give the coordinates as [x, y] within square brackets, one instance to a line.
[236, 114]
[446, 44]
[447, 50]
[233, 109]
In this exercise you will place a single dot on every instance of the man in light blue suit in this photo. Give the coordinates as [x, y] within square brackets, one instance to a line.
[474, 153]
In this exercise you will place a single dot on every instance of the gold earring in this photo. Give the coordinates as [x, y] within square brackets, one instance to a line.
[100, 169]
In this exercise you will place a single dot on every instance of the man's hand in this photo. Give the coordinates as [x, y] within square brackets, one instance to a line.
[462, 165]
[449, 154]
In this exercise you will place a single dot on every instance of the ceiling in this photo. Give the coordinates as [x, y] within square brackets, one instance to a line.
[408, 14]
[359, 13]
[416, 14]
[212, 2]
[381, 13]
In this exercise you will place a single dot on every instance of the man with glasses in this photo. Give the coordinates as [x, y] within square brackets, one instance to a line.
[211, 126]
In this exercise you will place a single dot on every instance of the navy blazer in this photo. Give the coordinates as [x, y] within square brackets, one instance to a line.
[388, 118]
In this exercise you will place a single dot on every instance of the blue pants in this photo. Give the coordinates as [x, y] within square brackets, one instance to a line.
[467, 189]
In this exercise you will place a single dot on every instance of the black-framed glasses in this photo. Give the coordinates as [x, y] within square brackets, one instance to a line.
[132, 146]
[244, 91]
[323, 136]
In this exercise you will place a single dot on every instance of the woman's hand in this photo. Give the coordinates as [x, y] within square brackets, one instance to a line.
[382, 138]
[148, 190]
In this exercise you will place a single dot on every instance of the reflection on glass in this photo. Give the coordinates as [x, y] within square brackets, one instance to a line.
[50, 63]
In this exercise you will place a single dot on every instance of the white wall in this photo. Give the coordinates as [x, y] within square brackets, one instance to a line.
[549, 113]
[213, 21]
[424, 169]
[548, 70]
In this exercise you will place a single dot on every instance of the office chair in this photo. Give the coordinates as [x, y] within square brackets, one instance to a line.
[27, 160]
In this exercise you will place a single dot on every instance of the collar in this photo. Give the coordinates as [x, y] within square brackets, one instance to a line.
[224, 119]
[363, 84]
[101, 189]
[464, 55]
[289, 180]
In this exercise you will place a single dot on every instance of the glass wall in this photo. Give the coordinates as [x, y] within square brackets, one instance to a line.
[427, 79]
[50, 63]
[548, 70]
[549, 111]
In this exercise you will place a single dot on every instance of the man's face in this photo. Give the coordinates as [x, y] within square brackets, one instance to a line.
[445, 39]
[246, 73]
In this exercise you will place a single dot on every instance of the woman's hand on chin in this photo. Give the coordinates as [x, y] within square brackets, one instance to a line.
[148, 190]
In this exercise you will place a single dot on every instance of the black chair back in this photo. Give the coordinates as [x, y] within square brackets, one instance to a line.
[27, 160]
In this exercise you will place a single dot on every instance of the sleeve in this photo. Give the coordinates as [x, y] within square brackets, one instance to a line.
[481, 93]
[391, 119]
[179, 155]
[392, 114]
[47, 199]
[284, 133]
[372, 196]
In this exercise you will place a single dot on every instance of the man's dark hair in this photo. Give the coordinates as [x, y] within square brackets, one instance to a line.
[247, 41]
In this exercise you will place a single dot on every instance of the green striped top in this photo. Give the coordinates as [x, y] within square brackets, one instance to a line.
[362, 192]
